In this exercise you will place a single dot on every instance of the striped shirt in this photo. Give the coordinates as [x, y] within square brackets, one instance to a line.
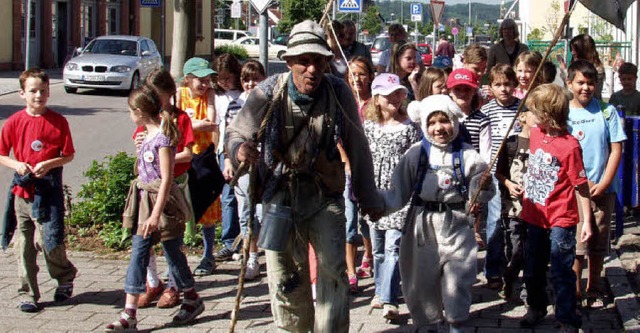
[500, 118]
[479, 129]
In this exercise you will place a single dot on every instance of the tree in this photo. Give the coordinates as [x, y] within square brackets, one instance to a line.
[535, 34]
[371, 21]
[296, 11]
[553, 18]
[184, 35]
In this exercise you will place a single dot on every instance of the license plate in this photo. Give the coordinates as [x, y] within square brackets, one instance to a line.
[96, 78]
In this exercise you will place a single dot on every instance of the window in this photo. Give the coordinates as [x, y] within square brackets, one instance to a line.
[144, 46]
[113, 19]
[199, 20]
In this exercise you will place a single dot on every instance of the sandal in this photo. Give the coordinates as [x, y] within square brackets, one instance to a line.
[189, 310]
[126, 323]
[169, 299]
[594, 299]
[63, 292]
[150, 295]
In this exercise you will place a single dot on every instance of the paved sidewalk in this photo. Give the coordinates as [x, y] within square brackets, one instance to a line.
[99, 297]
[9, 80]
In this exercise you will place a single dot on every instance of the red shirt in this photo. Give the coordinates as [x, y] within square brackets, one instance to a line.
[186, 139]
[35, 139]
[555, 169]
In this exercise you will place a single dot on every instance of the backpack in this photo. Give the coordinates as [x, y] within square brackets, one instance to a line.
[423, 166]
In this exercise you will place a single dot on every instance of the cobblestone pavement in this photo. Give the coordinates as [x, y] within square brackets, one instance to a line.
[98, 298]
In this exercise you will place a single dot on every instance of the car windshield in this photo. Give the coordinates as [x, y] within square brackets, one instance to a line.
[112, 46]
[424, 49]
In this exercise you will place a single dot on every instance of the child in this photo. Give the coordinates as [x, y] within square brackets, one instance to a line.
[432, 82]
[156, 210]
[228, 89]
[627, 99]
[501, 110]
[252, 73]
[403, 63]
[197, 98]
[583, 47]
[555, 173]
[526, 65]
[510, 170]
[390, 133]
[360, 79]
[438, 262]
[161, 81]
[599, 131]
[474, 58]
[41, 142]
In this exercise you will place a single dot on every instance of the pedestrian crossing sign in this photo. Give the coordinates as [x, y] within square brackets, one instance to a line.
[350, 6]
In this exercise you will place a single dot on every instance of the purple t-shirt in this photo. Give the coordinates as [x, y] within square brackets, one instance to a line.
[149, 157]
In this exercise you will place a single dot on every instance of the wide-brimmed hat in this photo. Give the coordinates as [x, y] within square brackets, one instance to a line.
[462, 76]
[197, 67]
[307, 37]
[384, 84]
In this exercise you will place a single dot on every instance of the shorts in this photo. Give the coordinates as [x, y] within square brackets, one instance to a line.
[600, 241]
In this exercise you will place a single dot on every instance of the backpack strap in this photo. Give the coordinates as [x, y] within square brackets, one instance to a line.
[423, 167]
[458, 168]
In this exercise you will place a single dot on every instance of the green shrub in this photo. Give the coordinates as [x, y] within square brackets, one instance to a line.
[238, 51]
[103, 196]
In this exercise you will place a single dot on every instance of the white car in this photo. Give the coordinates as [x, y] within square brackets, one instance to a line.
[111, 62]
[252, 45]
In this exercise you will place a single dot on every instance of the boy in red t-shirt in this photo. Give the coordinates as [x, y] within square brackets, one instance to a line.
[41, 144]
[555, 174]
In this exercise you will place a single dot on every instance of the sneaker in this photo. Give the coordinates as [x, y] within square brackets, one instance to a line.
[353, 285]
[206, 267]
[390, 312]
[28, 306]
[126, 323]
[224, 254]
[376, 303]
[253, 270]
[366, 268]
[236, 257]
[189, 310]
[150, 295]
[63, 292]
[566, 328]
[532, 317]
[169, 299]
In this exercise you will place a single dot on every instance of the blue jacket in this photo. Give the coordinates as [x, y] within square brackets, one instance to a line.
[47, 209]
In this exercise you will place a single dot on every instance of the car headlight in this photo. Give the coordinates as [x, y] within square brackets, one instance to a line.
[120, 69]
[72, 66]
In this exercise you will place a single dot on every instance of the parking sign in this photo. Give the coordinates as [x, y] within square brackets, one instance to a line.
[416, 9]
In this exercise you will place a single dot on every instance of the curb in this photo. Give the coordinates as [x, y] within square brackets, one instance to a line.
[624, 299]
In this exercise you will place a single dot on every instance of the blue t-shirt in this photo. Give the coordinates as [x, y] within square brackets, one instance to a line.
[595, 129]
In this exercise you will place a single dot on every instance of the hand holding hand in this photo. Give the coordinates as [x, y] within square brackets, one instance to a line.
[515, 190]
[23, 168]
[228, 171]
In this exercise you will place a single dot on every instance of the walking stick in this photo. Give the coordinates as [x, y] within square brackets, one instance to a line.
[486, 175]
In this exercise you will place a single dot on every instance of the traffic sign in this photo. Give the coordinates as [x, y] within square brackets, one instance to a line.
[416, 18]
[416, 9]
[260, 5]
[350, 6]
[149, 3]
[437, 7]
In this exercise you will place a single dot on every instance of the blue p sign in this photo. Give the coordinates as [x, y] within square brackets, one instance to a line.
[416, 9]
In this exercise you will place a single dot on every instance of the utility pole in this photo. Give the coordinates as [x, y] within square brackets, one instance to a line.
[27, 34]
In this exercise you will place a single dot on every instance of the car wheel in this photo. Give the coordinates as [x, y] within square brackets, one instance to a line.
[70, 90]
[280, 54]
[135, 81]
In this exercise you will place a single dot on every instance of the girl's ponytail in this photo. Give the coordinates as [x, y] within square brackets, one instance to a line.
[169, 128]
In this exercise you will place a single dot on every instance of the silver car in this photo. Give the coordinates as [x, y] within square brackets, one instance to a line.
[111, 62]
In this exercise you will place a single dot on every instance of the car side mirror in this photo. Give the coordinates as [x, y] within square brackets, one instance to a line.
[146, 53]
[78, 50]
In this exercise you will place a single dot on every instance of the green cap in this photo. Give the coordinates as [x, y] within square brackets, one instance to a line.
[197, 67]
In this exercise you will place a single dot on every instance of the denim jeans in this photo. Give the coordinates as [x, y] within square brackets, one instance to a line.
[230, 224]
[135, 282]
[351, 213]
[386, 250]
[494, 261]
[558, 245]
[244, 206]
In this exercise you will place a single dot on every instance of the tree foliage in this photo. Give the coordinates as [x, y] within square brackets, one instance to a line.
[372, 22]
[535, 34]
[296, 11]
